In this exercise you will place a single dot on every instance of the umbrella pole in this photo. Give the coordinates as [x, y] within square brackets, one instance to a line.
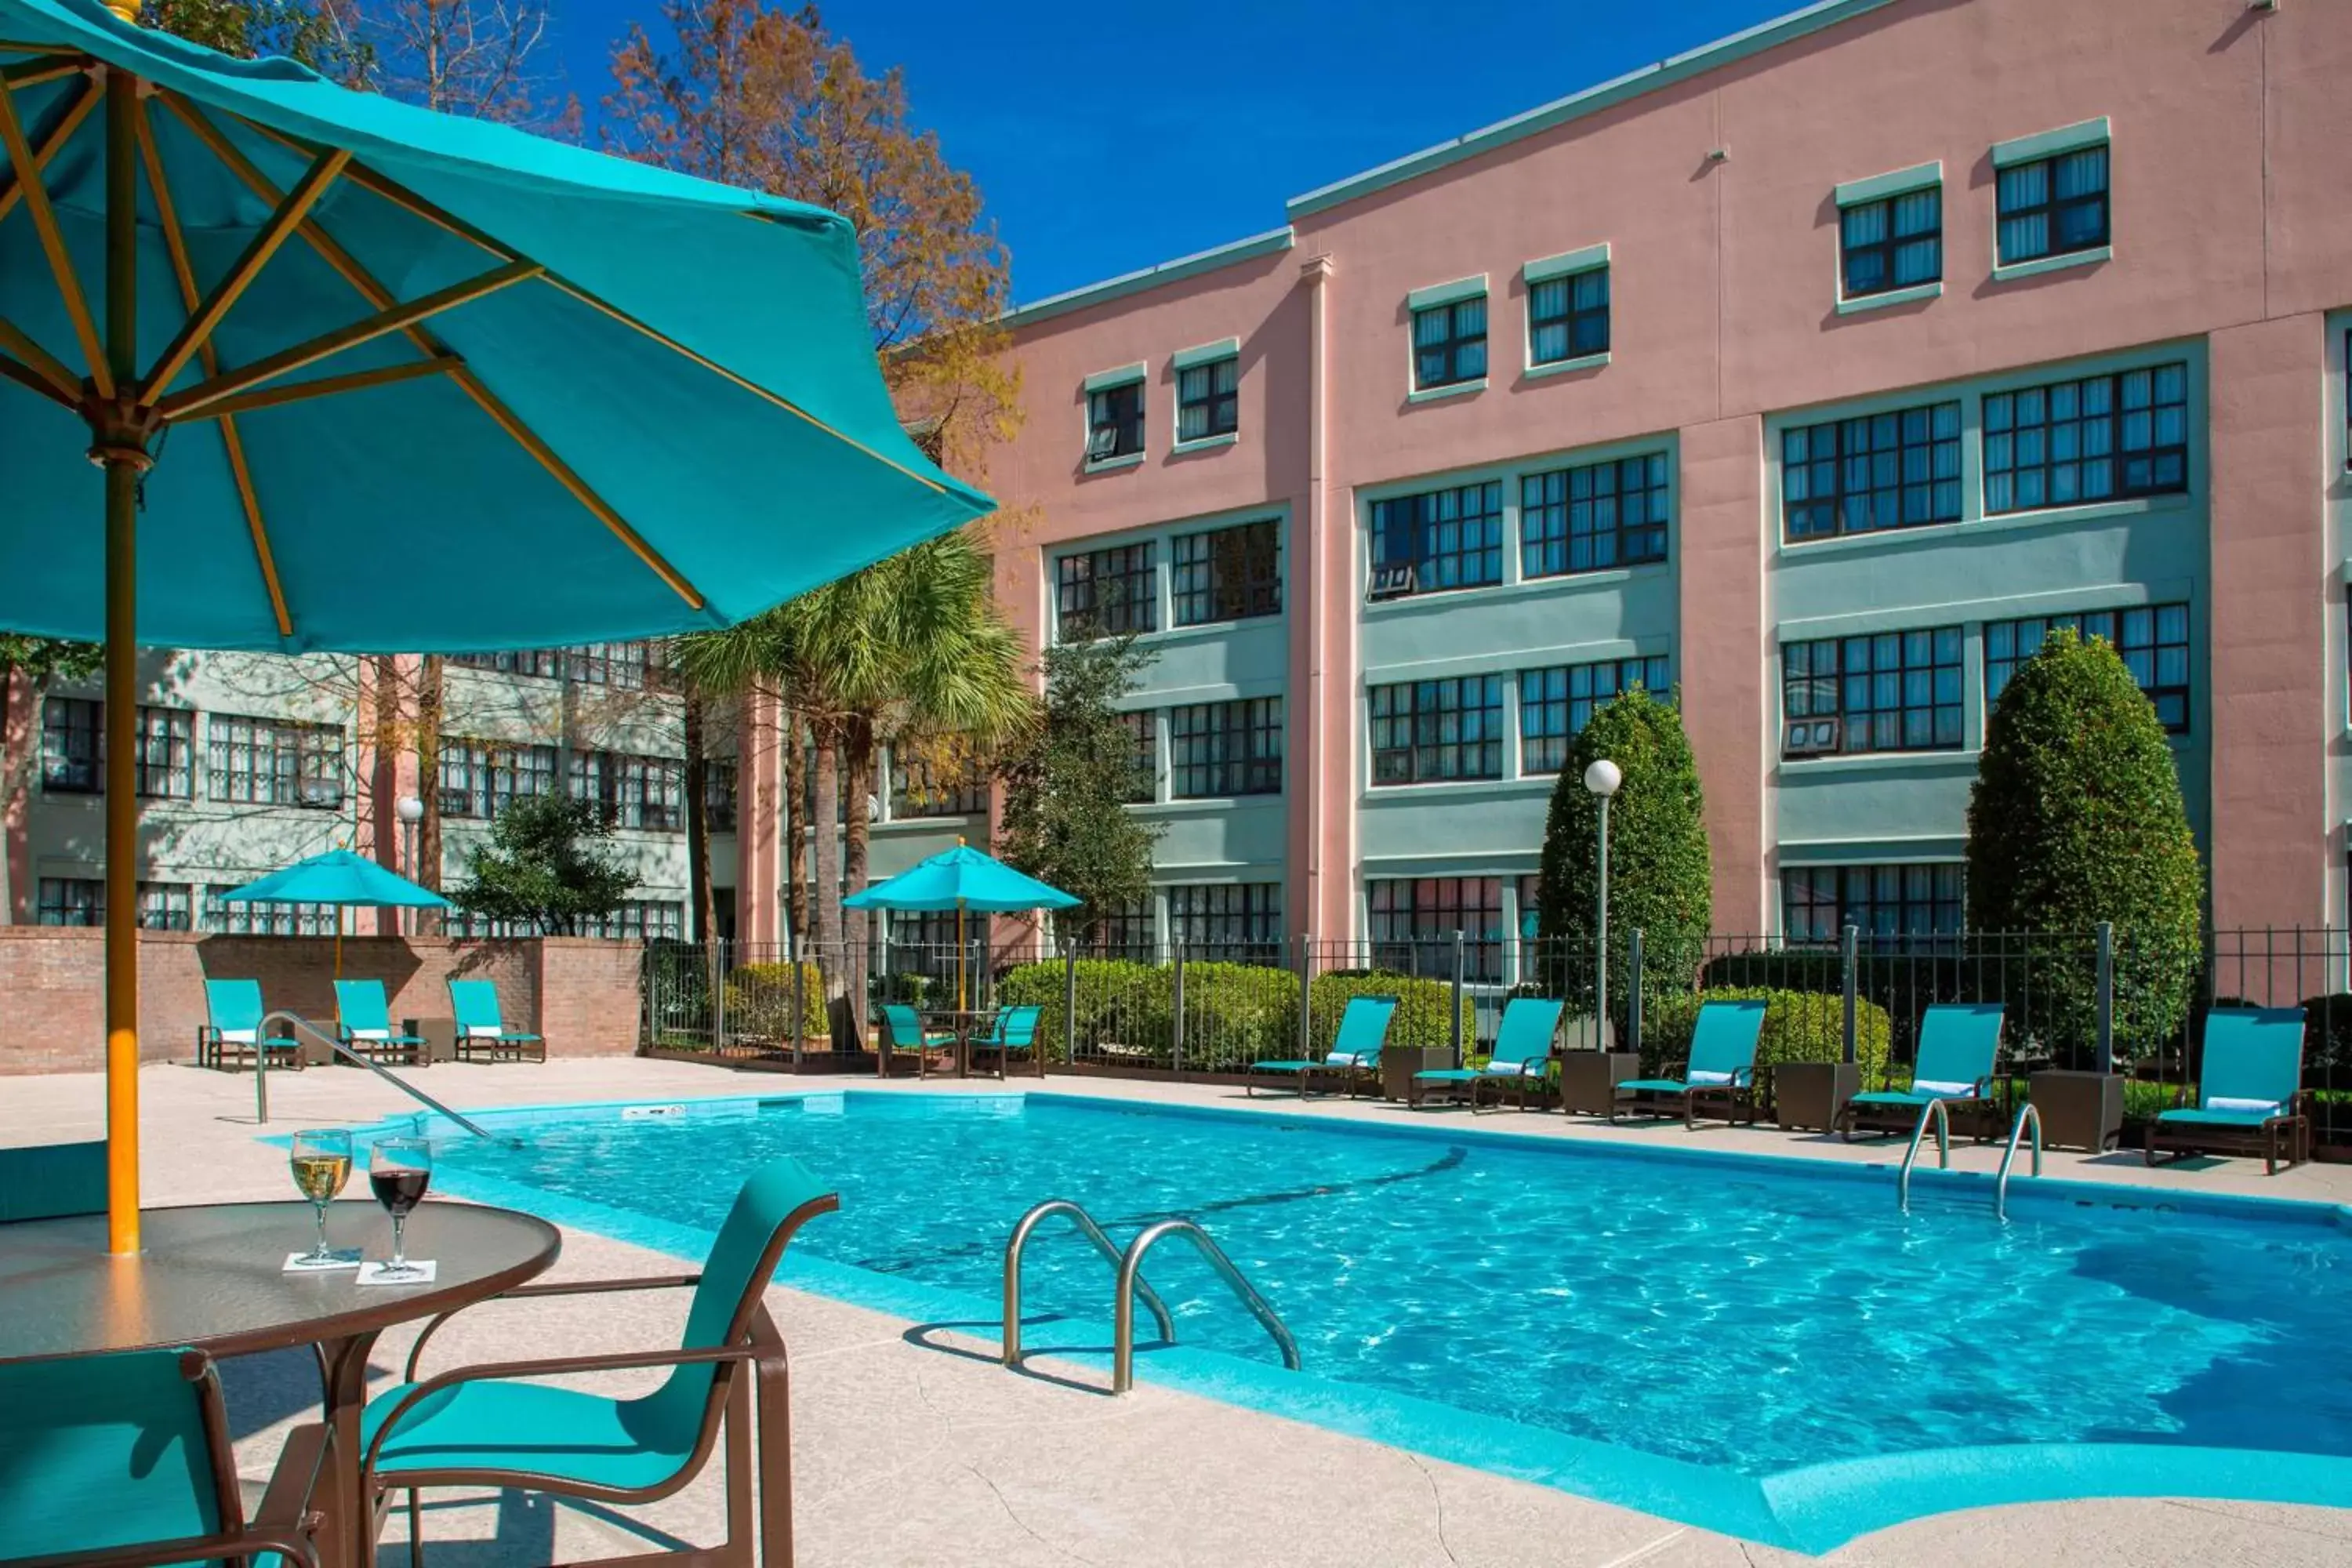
[960, 1001]
[123, 451]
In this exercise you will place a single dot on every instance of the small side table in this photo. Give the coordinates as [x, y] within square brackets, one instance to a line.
[439, 1035]
[2079, 1109]
[1399, 1063]
[1808, 1094]
[1589, 1079]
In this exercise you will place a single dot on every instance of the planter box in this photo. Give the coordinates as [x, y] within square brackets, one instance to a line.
[1399, 1063]
[1808, 1094]
[2079, 1109]
[1589, 1079]
[440, 1037]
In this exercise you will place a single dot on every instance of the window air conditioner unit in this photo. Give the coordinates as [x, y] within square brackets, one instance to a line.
[1102, 443]
[1391, 582]
[1812, 737]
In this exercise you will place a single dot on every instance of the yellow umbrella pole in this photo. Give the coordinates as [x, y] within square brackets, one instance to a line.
[960, 1001]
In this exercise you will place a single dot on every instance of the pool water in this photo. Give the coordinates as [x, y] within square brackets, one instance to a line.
[1747, 1315]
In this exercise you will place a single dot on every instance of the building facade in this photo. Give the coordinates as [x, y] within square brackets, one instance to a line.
[1814, 375]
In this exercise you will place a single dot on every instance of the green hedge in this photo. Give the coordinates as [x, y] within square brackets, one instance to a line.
[1124, 1007]
[1799, 1027]
[1421, 1015]
[760, 1001]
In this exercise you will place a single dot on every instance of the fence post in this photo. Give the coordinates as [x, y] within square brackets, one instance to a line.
[793, 952]
[1455, 1026]
[2106, 1040]
[719, 1005]
[1176, 1024]
[1069, 1004]
[1633, 992]
[1305, 995]
[1849, 946]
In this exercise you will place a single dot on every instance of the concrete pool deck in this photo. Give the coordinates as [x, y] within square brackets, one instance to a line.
[912, 1447]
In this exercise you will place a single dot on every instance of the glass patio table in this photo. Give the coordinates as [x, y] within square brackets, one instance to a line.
[212, 1276]
[963, 1023]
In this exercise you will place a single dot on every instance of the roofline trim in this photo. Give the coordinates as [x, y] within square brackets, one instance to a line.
[1271, 243]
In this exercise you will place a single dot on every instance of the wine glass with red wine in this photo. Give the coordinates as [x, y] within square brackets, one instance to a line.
[399, 1168]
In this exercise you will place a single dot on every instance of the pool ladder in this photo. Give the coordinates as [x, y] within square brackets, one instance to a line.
[2027, 1116]
[1131, 1285]
[334, 1046]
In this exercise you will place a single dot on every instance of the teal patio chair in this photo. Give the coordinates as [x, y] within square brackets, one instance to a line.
[2248, 1091]
[488, 1427]
[363, 1020]
[232, 1028]
[52, 1181]
[482, 1029]
[124, 1461]
[902, 1030]
[1015, 1030]
[1720, 1069]
[1354, 1053]
[1958, 1042]
[1521, 1059]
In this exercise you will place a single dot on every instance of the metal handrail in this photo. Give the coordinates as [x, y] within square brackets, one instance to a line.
[1013, 1249]
[1122, 1367]
[2027, 1114]
[1943, 1120]
[335, 1045]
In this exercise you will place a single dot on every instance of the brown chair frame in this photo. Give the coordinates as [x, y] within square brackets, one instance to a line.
[2182, 1138]
[283, 1523]
[764, 1444]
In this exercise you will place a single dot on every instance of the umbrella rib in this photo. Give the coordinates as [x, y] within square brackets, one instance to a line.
[287, 361]
[53, 245]
[325, 386]
[203, 319]
[71, 121]
[232, 443]
[44, 69]
[31, 380]
[41, 363]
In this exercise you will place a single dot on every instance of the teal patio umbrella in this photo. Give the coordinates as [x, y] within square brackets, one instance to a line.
[344, 879]
[288, 367]
[962, 878]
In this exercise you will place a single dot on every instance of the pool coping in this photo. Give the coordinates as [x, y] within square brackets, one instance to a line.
[1813, 1508]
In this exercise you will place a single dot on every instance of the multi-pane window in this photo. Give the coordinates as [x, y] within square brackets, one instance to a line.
[1818, 901]
[167, 755]
[623, 666]
[1208, 400]
[640, 919]
[166, 906]
[267, 919]
[1229, 574]
[1126, 932]
[920, 787]
[1142, 729]
[2097, 438]
[1876, 471]
[1425, 730]
[1414, 921]
[71, 728]
[1567, 318]
[2054, 207]
[1445, 539]
[721, 783]
[631, 791]
[1217, 749]
[275, 761]
[540, 661]
[1115, 422]
[71, 901]
[1893, 691]
[1897, 243]
[1597, 516]
[2152, 640]
[1555, 703]
[482, 778]
[1228, 923]
[1108, 592]
[1449, 343]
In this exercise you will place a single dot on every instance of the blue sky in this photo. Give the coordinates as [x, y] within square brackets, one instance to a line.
[1106, 138]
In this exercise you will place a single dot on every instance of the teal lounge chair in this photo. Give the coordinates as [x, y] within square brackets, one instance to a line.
[2248, 1091]
[124, 1459]
[52, 1181]
[363, 1020]
[1015, 1030]
[1355, 1051]
[1522, 1055]
[231, 1033]
[482, 1029]
[902, 1030]
[1958, 1042]
[1721, 1067]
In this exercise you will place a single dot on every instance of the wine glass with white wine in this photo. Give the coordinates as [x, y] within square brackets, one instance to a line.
[320, 1160]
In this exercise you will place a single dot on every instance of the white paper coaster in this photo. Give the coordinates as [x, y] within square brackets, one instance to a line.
[342, 1257]
[372, 1273]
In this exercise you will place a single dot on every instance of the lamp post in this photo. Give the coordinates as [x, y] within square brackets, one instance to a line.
[411, 812]
[1602, 778]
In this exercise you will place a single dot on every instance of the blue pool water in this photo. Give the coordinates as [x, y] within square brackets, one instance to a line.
[1751, 1316]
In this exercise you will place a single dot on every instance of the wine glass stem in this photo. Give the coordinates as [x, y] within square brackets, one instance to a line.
[319, 1212]
[399, 1248]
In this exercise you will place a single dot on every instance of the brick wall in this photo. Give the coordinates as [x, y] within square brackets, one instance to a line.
[581, 994]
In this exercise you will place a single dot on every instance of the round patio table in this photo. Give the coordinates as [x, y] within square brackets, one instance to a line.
[964, 1022]
[212, 1276]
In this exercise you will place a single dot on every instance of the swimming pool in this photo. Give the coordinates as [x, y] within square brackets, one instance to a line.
[1758, 1344]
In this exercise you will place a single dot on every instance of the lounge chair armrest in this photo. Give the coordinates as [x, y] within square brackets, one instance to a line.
[560, 1287]
[188, 1548]
[286, 1506]
[554, 1366]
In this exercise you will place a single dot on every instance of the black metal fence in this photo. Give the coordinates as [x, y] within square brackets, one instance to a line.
[2098, 1000]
